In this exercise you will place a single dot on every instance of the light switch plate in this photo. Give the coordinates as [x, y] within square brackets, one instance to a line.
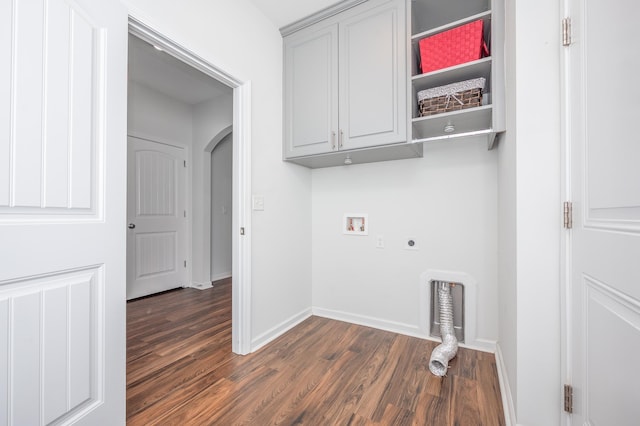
[258, 202]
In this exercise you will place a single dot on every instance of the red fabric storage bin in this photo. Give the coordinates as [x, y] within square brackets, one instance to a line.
[455, 46]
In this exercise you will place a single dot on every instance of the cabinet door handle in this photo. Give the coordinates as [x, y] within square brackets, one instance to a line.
[341, 138]
[333, 141]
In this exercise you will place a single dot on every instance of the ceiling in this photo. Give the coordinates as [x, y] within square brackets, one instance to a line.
[165, 74]
[284, 12]
[170, 76]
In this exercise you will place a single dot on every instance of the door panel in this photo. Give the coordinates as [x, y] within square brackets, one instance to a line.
[155, 253]
[51, 138]
[157, 245]
[62, 150]
[604, 297]
[64, 310]
[611, 389]
[311, 91]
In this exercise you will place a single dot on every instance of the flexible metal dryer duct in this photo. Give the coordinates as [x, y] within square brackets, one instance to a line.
[448, 349]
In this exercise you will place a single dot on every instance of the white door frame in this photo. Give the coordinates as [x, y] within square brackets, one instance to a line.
[241, 215]
[565, 239]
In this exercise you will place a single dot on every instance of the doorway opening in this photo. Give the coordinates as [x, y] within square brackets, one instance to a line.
[198, 157]
[220, 148]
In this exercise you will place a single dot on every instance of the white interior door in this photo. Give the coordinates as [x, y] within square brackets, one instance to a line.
[604, 291]
[63, 68]
[156, 239]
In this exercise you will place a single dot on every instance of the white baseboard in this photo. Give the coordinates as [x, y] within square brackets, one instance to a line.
[275, 332]
[505, 390]
[394, 327]
[221, 276]
[200, 286]
[482, 345]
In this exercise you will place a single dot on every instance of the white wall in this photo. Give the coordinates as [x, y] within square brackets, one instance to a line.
[447, 200]
[221, 184]
[530, 213]
[237, 38]
[507, 198]
[155, 116]
[209, 119]
[538, 211]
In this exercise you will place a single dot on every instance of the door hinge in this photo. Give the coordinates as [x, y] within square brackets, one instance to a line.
[185, 213]
[568, 215]
[185, 163]
[566, 31]
[242, 231]
[185, 263]
[568, 398]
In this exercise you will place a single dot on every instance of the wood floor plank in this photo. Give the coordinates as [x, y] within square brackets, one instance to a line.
[181, 371]
[367, 388]
[464, 408]
[489, 398]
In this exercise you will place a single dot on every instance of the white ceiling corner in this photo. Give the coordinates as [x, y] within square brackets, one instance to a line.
[285, 12]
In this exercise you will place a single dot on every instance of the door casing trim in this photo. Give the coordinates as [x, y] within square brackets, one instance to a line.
[241, 215]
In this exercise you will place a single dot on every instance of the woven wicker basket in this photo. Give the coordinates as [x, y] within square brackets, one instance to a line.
[452, 97]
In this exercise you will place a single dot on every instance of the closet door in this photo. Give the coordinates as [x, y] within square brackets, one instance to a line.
[603, 293]
[63, 71]
[157, 223]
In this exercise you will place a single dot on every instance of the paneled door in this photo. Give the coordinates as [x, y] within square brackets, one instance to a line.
[157, 224]
[63, 72]
[603, 308]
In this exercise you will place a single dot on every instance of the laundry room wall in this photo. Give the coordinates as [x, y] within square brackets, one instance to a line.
[446, 202]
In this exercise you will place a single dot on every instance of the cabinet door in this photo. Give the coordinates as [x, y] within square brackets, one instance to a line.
[373, 76]
[311, 91]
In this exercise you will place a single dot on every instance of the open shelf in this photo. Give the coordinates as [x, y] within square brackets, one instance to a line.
[466, 71]
[464, 121]
[486, 16]
[431, 15]
[474, 69]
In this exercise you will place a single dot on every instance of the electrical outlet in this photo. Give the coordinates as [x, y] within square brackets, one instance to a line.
[411, 243]
[379, 241]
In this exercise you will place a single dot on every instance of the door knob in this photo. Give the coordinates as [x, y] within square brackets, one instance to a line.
[132, 225]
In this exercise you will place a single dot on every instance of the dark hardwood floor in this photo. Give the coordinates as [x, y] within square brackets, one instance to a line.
[181, 371]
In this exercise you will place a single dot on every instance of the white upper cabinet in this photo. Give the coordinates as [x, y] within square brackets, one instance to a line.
[311, 91]
[372, 64]
[352, 74]
[345, 85]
